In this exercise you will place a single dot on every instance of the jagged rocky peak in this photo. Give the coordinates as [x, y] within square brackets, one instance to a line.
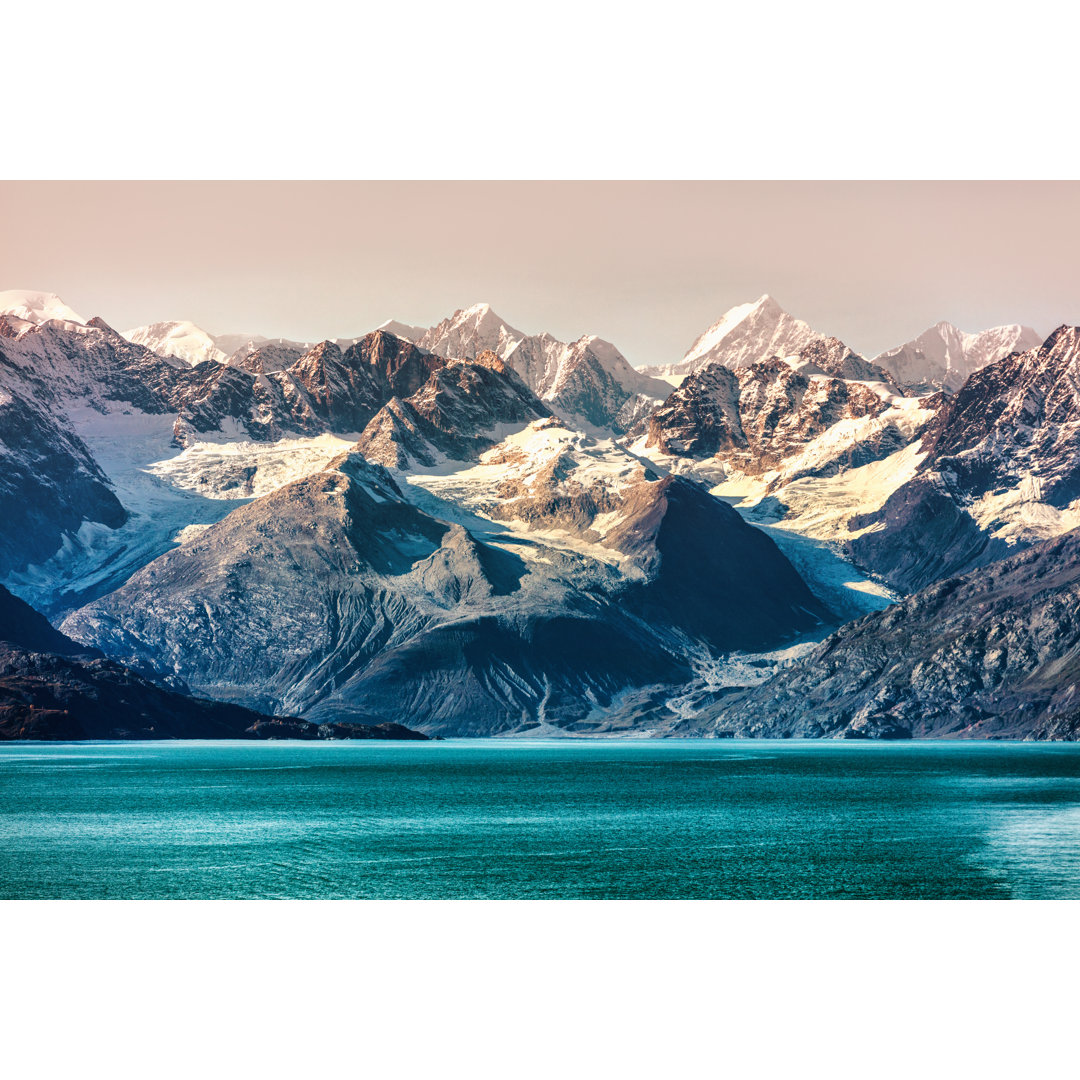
[64, 364]
[608, 363]
[220, 398]
[347, 388]
[397, 438]
[461, 410]
[757, 417]
[1061, 350]
[742, 336]
[587, 379]
[399, 366]
[98, 323]
[322, 352]
[1019, 416]
[943, 357]
[470, 331]
[830, 356]
[701, 418]
[317, 360]
[262, 356]
[1000, 468]
[327, 389]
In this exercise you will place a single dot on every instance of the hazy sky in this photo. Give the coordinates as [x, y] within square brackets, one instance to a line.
[646, 265]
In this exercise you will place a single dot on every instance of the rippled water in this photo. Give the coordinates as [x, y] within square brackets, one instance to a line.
[545, 819]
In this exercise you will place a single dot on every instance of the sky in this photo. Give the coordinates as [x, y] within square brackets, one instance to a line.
[647, 265]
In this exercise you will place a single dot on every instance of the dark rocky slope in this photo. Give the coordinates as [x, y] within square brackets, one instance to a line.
[49, 484]
[53, 688]
[924, 535]
[452, 415]
[335, 597]
[709, 573]
[992, 654]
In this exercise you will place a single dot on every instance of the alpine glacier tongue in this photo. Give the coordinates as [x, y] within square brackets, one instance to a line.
[336, 595]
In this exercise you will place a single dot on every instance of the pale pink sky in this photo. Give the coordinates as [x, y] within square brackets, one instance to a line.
[647, 265]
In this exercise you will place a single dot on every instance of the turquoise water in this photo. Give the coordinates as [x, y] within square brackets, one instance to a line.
[543, 819]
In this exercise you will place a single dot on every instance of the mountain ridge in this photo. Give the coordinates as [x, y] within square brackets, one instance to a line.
[515, 539]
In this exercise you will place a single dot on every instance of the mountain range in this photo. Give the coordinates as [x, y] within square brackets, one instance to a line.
[471, 530]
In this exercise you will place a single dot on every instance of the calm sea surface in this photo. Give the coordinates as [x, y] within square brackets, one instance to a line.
[543, 819]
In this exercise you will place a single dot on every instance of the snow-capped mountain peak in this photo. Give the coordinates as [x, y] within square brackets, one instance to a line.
[764, 304]
[405, 331]
[742, 336]
[36, 308]
[588, 379]
[470, 331]
[943, 357]
[179, 339]
[603, 350]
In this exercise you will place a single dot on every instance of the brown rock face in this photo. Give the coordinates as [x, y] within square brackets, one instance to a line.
[757, 416]
[324, 390]
[453, 414]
